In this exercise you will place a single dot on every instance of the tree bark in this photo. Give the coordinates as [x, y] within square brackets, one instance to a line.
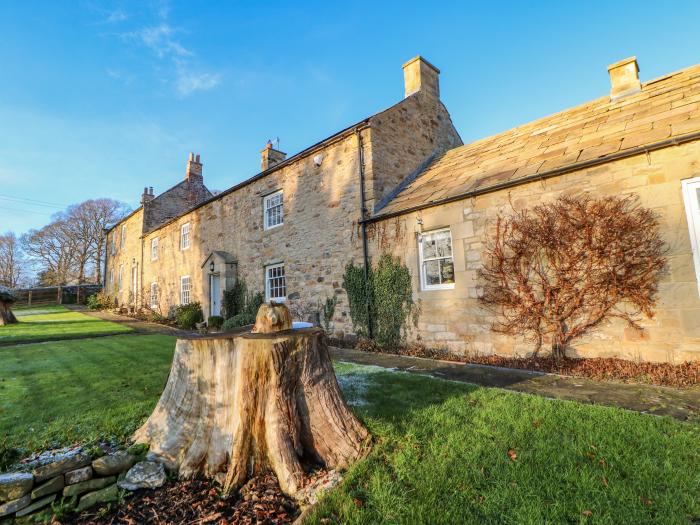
[247, 403]
[6, 315]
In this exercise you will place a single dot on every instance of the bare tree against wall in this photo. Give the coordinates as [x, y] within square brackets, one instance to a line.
[558, 270]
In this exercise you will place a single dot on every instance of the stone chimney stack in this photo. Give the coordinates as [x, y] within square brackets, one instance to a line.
[421, 75]
[624, 78]
[271, 157]
[147, 195]
[194, 169]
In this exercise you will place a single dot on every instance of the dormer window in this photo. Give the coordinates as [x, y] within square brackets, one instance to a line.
[273, 206]
[185, 236]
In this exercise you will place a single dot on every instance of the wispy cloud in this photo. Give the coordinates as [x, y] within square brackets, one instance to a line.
[116, 16]
[190, 81]
[165, 41]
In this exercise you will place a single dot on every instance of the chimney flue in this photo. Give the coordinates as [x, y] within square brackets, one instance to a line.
[624, 78]
[146, 196]
[421, 75]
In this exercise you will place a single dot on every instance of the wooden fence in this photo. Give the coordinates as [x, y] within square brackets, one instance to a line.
[74, 294]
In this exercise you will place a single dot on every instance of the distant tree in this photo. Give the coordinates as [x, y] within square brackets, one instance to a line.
[558, 270]
[12, 263]
[72, 247]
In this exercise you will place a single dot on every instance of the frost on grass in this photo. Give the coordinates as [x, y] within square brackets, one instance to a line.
[355, 380]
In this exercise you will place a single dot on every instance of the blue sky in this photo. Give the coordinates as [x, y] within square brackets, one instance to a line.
[99, 99]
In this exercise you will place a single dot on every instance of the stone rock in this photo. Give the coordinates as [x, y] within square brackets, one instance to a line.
[310, 494]
[66, 462]
[38, 504]
[78, 475]
[113, 464]
[51, 486]
[16, 504]
[105, 495]
[87, 486]
[144, 475]
[14, 485]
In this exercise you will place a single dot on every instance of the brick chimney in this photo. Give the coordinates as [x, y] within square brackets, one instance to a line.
[194, 169]
[271, 157]
[147, 195]
[421, 75]
[624, 78]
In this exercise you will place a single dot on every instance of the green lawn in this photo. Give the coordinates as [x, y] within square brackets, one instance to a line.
[55, 322]
[441, 452]
[63, 392]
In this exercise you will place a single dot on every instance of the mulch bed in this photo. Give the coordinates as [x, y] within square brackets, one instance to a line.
[600, 368]
[260, 501]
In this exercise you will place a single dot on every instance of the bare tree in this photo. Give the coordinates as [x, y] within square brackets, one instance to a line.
[12, 268]
[558, 270]
[71, 248]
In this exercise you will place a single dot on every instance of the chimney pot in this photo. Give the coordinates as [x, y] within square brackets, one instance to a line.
[421, 75]
[624, 78]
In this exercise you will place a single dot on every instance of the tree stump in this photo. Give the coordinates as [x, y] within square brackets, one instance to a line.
[242, 404]
[6, 302]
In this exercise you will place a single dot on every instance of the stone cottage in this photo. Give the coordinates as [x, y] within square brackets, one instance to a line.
[401, 181]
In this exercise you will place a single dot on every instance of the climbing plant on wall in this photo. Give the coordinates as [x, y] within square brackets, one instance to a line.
[386, 296]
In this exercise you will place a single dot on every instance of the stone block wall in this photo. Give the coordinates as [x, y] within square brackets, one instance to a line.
[454, 320]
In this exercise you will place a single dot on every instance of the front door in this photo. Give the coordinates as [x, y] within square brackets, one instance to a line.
[215, 294]
[134, 283]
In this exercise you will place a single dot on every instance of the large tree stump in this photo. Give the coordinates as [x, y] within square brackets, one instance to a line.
[6, 302]
[242, 404]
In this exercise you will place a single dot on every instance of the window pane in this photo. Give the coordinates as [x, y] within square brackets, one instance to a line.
[444, 244]
[429, 247]
[447, 271]
[432, 272]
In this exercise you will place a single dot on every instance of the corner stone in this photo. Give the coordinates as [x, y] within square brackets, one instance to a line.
[14, 485]
[15, 505]
[54, 485]
[86, 486]
[105, 495]
[36, 505]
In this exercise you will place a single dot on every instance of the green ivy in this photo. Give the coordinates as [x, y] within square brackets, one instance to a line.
[387, 296]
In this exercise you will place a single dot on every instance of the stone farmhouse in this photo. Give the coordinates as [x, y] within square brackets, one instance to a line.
[402, 182]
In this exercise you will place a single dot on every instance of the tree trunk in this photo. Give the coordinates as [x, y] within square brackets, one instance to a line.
[6, 315]
[247, 403]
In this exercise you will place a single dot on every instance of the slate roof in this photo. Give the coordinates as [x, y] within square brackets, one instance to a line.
[665, 108]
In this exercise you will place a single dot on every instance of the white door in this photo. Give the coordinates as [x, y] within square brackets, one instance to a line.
[134, 282]
[691, 196]
[215, 294]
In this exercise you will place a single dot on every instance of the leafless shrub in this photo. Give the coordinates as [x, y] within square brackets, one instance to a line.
[556, 271]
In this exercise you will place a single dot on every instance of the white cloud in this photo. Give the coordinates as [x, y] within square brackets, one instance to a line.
[160, 40]
[116, 16]
[189, 81]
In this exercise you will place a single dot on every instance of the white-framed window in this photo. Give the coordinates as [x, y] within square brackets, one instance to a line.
[275, 283]
[111, 276]
[185, 236]
[691, 198]
[121, 277]
[273, 206]
[154, 249]
[123, 239]
[114, 244]
[154, 295]
[185, 289]
[437, 269]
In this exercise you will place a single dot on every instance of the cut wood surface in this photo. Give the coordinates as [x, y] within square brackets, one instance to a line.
[247, 403]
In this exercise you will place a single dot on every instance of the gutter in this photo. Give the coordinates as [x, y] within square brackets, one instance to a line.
[576, 166]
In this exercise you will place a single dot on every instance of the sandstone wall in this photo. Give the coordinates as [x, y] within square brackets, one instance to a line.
[453, 319]
[127, 257]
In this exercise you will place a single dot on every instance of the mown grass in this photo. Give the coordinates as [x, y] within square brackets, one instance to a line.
[58, 393]
[441, 449]
[55, 322]
[441, 455]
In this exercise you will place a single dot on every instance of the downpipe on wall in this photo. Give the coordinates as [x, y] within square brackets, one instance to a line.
[363, 222]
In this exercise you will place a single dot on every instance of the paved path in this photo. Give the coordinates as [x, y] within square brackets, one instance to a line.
[683, 404]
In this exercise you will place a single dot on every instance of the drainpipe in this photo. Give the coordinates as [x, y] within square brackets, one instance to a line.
[363, 222]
